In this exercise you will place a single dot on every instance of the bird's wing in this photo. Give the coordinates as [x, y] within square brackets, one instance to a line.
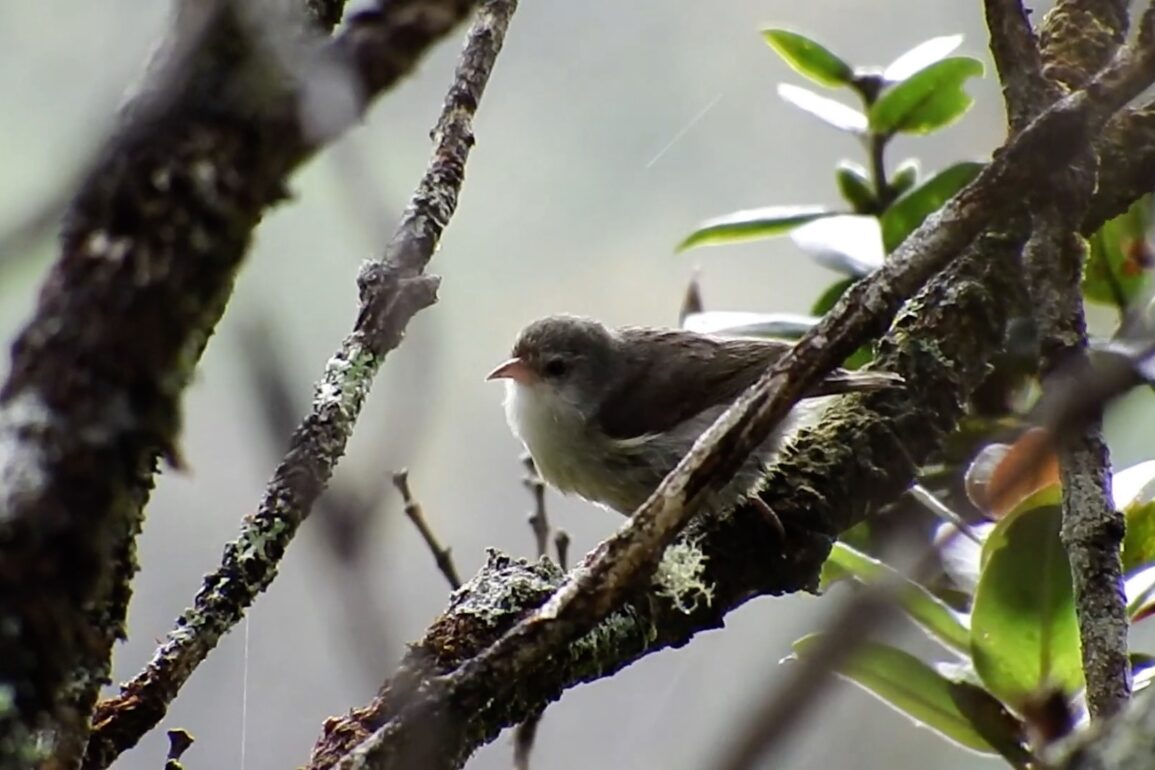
[674, 375]
[677, 374]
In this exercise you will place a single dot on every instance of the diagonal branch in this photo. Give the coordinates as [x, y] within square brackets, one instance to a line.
[829, 480]
[393, 289]
[435, 720]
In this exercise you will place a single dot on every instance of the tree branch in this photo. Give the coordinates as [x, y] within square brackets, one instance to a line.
[440, 706]
[1078, 38]
[435, 717]
[392, 289]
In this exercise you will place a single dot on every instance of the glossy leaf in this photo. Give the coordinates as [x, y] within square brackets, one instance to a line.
[923, 607]
[1119, 256]
[905, 177]
[855, 187]
[1139, 541]
[848, 244]
[928, 100]
[789, 326]
[752, 224]
[906, 683]
[920, 57]
[1139, 588]
[827, 110]
[1023, 631]
[909, 211]
[808, 58]
[1142, 671]
[1133, 489]
[960, 556]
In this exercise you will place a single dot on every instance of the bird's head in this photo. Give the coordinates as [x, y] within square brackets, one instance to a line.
[566, 359]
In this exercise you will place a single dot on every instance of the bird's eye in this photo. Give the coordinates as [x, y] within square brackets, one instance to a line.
[555, 367]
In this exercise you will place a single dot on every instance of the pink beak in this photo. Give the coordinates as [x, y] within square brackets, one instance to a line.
[514, 369]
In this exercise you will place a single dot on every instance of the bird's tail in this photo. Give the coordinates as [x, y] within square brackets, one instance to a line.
[843, 381]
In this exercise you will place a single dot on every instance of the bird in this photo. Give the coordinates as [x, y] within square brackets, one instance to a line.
[607, 413]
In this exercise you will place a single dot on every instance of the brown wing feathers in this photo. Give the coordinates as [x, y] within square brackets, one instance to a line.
[677, 374]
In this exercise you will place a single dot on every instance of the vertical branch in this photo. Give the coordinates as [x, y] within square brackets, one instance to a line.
[1078, 39]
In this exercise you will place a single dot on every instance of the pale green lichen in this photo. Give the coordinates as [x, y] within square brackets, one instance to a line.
[680, 576]
[604, 639]
[346, 380]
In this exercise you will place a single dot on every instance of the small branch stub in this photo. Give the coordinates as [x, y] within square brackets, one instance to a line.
[414, 512]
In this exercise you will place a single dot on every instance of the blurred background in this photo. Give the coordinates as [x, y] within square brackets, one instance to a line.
[608, 131]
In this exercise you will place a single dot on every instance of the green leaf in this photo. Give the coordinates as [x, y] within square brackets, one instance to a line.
[908, 684]
[1118, 256]
[1023, 631]
[849, 243]
[1133, 489]
[1139, 540]
[752, 224]
[920, 57]
[855, 187]
[928, 100]
[905, 177]
[808, 58]
[909, 211]
[1139, 588]
[924, 608]
[827, 110]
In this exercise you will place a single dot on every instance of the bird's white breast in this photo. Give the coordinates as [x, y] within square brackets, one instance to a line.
[566, 452]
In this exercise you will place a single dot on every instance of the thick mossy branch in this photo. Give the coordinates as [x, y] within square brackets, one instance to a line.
[1126, 153]
[1079, 37]
[150, 249]
[830, 479]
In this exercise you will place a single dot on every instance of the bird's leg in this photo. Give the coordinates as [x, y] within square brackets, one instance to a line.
[768, 514]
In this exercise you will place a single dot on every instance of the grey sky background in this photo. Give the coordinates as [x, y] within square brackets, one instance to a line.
[609, 129]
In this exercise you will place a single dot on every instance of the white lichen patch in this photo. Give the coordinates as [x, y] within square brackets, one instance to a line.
[204, 173]
[346, 380]
[23, 474]
[679, 577]
[100, 245]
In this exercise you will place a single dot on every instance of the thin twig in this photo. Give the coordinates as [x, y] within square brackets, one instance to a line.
[525, 734]
[179, 742]
[561, 545]
[392, 290]
[538, 520]
[523, 740]
[414, 512]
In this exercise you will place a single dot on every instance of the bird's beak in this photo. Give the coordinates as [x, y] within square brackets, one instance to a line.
[514, 369]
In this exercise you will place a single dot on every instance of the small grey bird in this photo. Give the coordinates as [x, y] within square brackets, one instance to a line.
[607, 413]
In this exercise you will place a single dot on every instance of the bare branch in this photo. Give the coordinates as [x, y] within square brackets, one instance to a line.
[538, 521]
[561, 545]
[413, 510]
[392, 290]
